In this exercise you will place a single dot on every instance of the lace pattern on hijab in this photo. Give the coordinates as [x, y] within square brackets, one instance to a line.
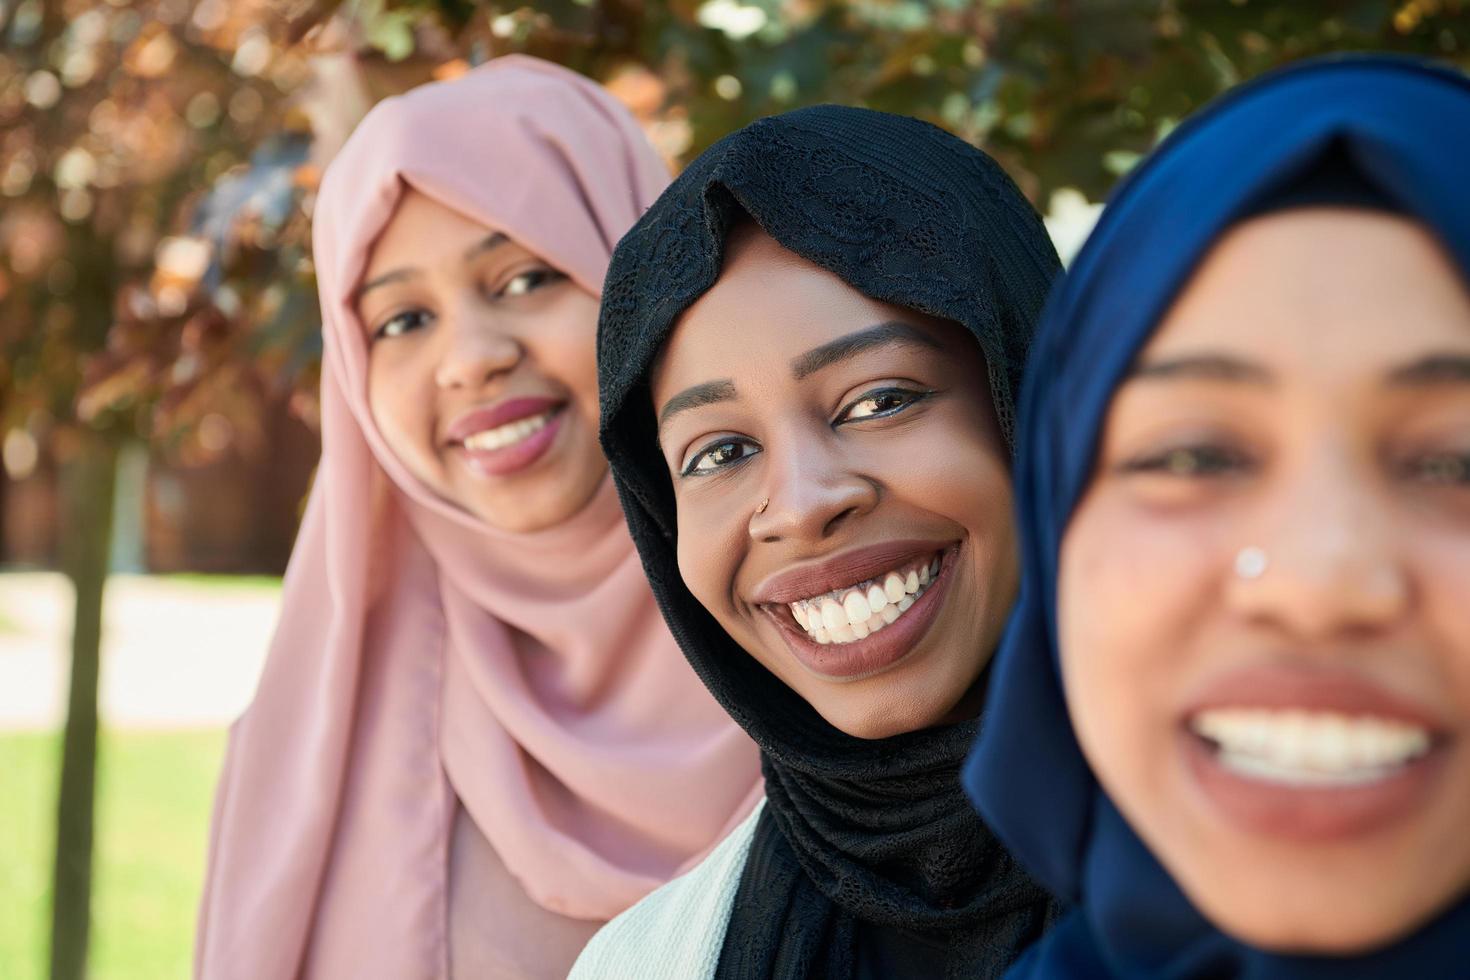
[909, 215]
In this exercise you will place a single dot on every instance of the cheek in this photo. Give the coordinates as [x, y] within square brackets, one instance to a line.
[709, 554]
[954, 465]
[1133, 590]
[1443, 566]
[566, 342]
[395, 394]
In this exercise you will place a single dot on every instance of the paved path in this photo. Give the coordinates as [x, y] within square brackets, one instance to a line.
[175, 653]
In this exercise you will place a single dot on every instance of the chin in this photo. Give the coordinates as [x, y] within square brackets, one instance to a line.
[880, 716]
[536, 505]
[1309, 923]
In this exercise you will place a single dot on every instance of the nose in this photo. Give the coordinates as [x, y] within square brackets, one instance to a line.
[476, 348]
[1333, 568]
[811, 490]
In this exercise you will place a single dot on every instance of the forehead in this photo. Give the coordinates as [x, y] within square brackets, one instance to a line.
[1320, 288]
[422, 232]
[768, 306]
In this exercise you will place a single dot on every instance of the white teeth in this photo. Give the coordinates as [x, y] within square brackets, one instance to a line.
[1310, 747]
[857, 612]
[508, 434]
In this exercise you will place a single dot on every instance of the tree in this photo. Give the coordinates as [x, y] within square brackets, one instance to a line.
[113, 118]
[1066, 93]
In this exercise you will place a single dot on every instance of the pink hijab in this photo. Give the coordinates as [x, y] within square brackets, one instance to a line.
[425, 661]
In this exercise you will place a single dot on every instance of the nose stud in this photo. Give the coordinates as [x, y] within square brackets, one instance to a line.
[765, 502]
[1250, 563]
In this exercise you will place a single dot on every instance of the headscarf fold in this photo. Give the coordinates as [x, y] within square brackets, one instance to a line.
[1402, 129]
[856, 833]
[423, 657]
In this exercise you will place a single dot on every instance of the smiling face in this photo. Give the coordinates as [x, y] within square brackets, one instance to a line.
[1285, 481]
[482, 371]
[875, 580]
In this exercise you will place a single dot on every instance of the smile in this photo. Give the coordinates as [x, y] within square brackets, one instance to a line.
[1310, 748]
[854, 612]
[508, 434]
[509, 437]
[863, 611]
[1310, 753]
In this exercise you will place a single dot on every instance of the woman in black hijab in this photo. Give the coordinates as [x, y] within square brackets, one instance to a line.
[808, 351]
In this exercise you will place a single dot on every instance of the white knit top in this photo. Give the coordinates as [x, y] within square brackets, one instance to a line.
[676, 932]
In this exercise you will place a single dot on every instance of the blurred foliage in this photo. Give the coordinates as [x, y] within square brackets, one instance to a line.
[158, 157]
[1065, 94]
[120, 311]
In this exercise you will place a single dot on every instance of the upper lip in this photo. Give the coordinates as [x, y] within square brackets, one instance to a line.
[492, 416]
[1312, 688]
[840, 570]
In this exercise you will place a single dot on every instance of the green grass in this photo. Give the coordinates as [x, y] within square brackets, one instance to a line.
[153, 805]
[267, 582]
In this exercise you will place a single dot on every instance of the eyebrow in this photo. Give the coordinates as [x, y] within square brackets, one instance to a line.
[888, 333]
[1205, 367]
[491, 241]
[1433, 369]
[708, 393]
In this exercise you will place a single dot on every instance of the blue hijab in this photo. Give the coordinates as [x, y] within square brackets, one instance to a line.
[1404, 127]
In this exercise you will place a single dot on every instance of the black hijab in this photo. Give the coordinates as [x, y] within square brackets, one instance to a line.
[867, 859]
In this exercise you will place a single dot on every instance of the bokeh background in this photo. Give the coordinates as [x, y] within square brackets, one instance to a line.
[159, 339]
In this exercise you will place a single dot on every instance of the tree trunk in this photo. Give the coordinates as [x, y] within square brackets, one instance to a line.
[88, 483]
[4, 518]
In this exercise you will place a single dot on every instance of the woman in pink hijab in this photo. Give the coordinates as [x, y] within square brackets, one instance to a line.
[474, 740]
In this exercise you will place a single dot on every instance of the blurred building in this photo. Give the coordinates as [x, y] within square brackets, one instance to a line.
[236, 514]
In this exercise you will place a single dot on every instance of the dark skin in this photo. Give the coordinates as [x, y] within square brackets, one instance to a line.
[863, 424]
[459, 318]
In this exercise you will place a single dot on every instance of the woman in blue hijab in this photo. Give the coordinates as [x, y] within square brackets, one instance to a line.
[1230, 720]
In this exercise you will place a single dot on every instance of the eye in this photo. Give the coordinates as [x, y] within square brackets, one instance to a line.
[1450, 469]
[401, 323]
[530, 281]
[879, 403]
[717, 456]
[1190, 462]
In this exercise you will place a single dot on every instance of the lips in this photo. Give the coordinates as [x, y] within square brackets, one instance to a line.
[495, 416]
[848, 656]
[842, 571]
[1312, 753]
[508, 437]
[849, 614]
